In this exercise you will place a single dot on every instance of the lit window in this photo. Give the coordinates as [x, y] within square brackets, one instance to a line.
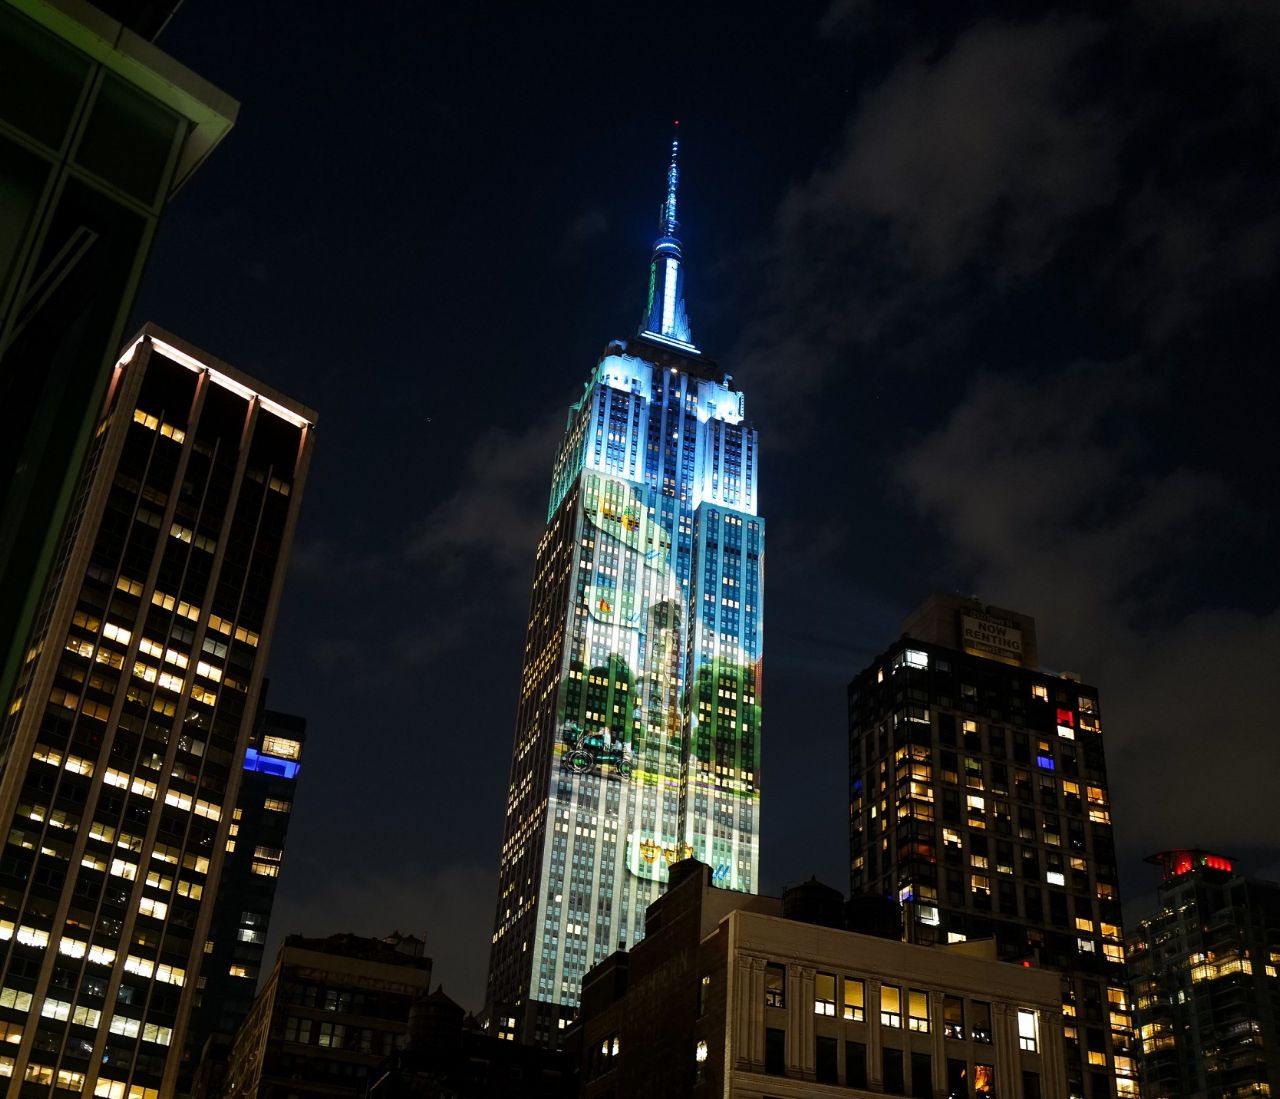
[121, 1024]
[984, 1080]
[281, 747]
[854, 999]
[824, 994]
[890, 1006]
[32, 936]
[1027, 1031]
[56, 1009]
[918, 1010]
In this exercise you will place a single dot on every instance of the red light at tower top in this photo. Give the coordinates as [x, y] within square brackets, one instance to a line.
[1180, 862]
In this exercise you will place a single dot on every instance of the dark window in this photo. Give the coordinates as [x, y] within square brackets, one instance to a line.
[891, 1063]
[957, 1079]
[827, 1072]
[775, 1051]
[775, 983]
[921, 1076]
[855, 1065]
[980, 1022]
[1030, 1084]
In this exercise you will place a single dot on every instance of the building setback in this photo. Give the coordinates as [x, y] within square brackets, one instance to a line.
[742, 997]
[330, 1012]
[121, 750]
[978, 799]
[247, 889]
[637, 738]
[98, 130]
[1206, 981]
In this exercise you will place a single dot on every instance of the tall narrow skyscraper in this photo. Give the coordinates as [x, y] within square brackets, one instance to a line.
[638, 726]
[121, 750]
[978, 799]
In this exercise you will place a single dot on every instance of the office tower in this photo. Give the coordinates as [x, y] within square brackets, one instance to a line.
[98, 130]
[330, 1012]
[978, 798]
[1205, 971]
[247, 888]
[120, 758]
[738, 996]
[638, 722]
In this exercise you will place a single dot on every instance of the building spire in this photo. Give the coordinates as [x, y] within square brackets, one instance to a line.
[665, 315]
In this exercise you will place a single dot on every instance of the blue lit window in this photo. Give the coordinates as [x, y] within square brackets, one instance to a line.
[1045, 762]
[269, 765]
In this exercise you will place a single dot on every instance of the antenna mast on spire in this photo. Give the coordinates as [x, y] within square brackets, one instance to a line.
[664, 316]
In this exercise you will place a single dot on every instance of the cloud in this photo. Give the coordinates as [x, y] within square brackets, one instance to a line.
[1054, 506]
[980, 151]
[1039, 483]
[588, 225]
[496, 515]
[959, 172]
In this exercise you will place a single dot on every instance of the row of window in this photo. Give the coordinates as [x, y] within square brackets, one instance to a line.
[901, 1073]
[853, 1003]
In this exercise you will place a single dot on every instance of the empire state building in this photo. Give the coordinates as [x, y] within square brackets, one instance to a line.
[637, 740]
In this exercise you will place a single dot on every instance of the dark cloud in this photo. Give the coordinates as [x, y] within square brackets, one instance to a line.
[978, 156]
[587, 226]
[1051, 504]
[496, 514]
[983, 150]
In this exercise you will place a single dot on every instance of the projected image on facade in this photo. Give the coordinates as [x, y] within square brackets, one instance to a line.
[638, 733]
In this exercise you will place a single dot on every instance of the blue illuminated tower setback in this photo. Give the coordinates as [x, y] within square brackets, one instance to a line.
[638, 727]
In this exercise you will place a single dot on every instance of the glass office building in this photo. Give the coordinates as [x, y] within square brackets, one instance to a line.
[638, 725]
[121, 753]
[98, 130]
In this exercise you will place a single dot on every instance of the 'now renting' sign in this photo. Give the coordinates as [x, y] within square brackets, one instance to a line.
[985, 636]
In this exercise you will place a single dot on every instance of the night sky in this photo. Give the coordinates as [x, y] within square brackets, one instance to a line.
[1000, 285]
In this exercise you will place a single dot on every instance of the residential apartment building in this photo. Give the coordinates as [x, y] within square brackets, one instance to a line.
[978, 798]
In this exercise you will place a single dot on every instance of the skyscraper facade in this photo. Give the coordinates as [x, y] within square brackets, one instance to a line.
[98, 130]
[637, 736]
[978, 799]
[120, 751]
[1206, 981]
[247, 889]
